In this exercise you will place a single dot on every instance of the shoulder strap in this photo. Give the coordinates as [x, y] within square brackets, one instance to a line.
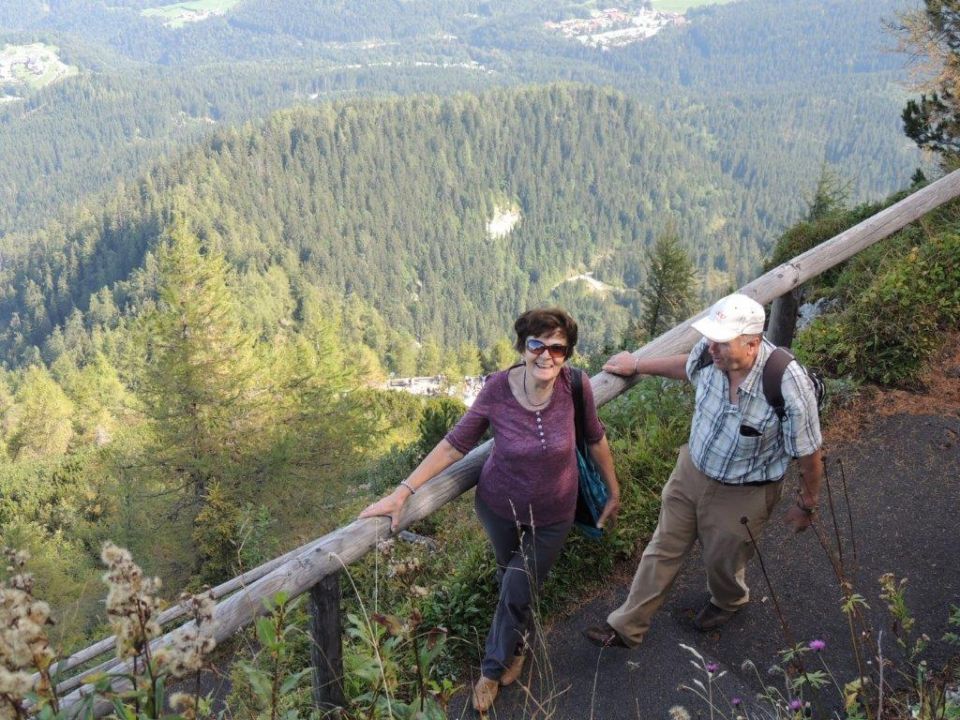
[773, 380]
[579, 419]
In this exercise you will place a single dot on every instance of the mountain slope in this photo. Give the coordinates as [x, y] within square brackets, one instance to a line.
[775, 88]
[390, 200]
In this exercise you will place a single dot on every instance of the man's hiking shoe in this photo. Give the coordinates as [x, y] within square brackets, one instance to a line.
[711, 617]
[604, 636]
[513, 671]
[484, 693]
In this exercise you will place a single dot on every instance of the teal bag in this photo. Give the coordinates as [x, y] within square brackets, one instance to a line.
[592, 492]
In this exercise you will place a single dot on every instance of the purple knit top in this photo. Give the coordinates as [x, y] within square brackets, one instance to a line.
[531, 473]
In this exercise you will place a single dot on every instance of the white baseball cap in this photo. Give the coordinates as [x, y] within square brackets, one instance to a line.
[731, 317]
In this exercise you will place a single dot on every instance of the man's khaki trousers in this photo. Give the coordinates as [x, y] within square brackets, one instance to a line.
[694, 507]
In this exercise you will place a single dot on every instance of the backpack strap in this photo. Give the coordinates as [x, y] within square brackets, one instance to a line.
[704, 358]
[579, 416]
[773, 380]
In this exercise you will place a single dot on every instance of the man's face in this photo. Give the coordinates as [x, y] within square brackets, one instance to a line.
[737, 354]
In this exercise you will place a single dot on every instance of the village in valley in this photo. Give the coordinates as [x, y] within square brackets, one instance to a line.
[35, 65]
[438, 385]
[614, 27]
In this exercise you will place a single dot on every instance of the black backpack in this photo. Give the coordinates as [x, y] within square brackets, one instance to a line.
[773, 371]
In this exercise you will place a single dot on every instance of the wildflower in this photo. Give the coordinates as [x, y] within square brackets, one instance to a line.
[817, 645]
[712, 667]
[678, 712]
[796, 704]
[736, 702]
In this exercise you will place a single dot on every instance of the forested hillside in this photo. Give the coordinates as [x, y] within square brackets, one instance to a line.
[389, 202]
[773, 89]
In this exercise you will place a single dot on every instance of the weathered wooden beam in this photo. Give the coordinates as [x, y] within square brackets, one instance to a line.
[340, 548]
[326, 649]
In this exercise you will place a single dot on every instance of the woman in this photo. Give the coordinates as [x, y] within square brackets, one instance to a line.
[527, 492]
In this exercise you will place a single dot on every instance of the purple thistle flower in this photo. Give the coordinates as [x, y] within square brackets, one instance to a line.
[735, 701]
[796, 704]
[712, 667]
[817, 645]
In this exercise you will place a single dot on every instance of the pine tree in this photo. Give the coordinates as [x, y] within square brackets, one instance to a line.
[933, 33]
[667, 295]
[829, 197]
[499, 357]
[42, 413]
[200, 386]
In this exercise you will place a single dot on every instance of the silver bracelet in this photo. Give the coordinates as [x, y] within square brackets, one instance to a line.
[408, 486]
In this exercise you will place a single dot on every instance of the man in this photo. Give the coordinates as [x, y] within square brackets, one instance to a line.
[732, 467]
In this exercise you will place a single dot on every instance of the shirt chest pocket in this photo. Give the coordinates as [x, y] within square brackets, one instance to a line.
[758, 425]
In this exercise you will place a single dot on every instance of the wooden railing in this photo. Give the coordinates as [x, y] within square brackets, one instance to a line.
[315, 567]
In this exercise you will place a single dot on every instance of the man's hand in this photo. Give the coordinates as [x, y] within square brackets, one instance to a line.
[623, 363]
[798, 519]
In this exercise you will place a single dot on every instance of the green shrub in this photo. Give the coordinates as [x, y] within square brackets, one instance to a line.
[887, 330]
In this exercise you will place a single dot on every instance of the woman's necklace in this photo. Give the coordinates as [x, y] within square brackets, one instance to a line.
[530, 402]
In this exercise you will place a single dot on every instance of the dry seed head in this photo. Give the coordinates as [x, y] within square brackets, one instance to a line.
[404, 567]
[132, 605]
[15, 684]
[184, 704]
[386, 546]
[24, 645]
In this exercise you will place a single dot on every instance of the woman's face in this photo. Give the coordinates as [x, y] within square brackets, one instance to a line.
[545, 366]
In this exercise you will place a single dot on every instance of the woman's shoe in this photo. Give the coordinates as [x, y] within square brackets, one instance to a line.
[511, 674]
[484, 693]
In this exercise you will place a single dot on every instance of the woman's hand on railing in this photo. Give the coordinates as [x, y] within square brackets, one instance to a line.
[390, 506]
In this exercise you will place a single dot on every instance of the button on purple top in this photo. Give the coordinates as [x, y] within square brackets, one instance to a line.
[532, 468]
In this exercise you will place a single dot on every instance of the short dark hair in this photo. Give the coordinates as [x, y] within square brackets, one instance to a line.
[542, 321]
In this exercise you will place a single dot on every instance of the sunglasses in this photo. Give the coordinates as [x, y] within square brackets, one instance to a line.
[557, 351]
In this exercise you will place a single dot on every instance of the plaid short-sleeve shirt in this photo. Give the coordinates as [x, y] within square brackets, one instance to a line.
[745, 443]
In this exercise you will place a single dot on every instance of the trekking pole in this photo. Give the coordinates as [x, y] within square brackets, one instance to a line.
[788, 636]
[763, 568]
[846, 499]
[833, 514]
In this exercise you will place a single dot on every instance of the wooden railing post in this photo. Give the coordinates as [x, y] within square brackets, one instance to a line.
[326, 650]
[783, 318]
